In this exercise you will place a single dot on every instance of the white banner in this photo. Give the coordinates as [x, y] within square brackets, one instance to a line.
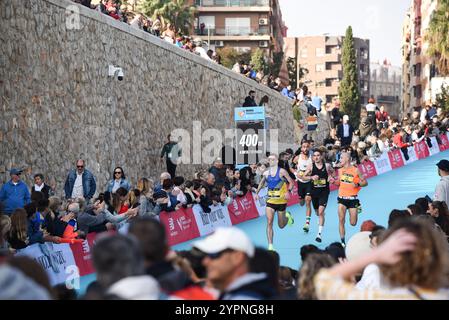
[382, 164]
[261, 204]
[56, 259]
[435, 148]
[208, 222]
[411, 155]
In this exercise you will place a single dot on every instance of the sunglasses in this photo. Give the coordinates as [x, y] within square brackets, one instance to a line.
[217, 255]
[118, 172]
[80, 166]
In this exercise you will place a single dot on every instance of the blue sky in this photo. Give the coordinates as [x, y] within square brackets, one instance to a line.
[378, 20]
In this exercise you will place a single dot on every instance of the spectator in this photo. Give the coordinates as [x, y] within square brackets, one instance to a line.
[415, 210]
[169, 34]
[5, 228]
[310, 267]
[118, 181]
[39, 185]
[171, 152]
[18, 234]
[345, 132]
[265, 261]
[199, 50]
[218, 171]
[157, 26]
[87, 222]
[287, 92]
[439, 211]
[227, 256]
[399, 142]
[80, 182]
[317, 102]
[14, 194]
[178, 190]
[152, 239]
[250, 99]
[14, 285]
[306, 250]
[147, 204]
[336, 251]
[413, 260]
[119, 265]
[382, 118]
[371, 111]
[396, 215]
[442, 188]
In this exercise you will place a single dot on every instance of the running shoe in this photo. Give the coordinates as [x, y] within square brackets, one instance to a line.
[306, 228]
[289, 216]
[318, 238]
[359, 209]
[343, 243]
[270, 247]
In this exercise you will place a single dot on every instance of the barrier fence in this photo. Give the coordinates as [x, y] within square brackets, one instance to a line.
[65, 262]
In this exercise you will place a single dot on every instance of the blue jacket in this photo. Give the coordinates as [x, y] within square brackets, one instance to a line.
[14, 196]
[123, 184]
[89, 184]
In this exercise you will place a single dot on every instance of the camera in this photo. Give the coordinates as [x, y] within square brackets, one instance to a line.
[114, 70]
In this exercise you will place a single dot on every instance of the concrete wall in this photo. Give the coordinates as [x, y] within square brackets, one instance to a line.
[58, 103]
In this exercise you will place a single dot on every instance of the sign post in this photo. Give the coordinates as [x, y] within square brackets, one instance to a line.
[250, 127]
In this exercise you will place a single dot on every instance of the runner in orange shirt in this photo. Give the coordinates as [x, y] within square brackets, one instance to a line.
[350, 181]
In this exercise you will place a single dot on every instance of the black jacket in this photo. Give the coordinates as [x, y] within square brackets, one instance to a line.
[340, 131]
[46, 190]
[249, 102]
[261, 289]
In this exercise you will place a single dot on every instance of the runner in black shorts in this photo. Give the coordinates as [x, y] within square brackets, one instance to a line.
[302, 161]
[320, 174]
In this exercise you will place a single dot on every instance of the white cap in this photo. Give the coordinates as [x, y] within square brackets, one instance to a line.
[226, 238]
[358, 245]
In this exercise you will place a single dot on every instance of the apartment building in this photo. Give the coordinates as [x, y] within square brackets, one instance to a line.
[241, 24]
[417, 67]
[385, 86]
[321, 56]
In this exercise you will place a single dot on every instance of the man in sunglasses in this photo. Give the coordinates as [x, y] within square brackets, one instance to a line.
[80, 182]
[227, 253]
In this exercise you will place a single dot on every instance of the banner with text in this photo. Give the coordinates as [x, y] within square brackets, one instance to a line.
[242, 209]
[396, 158]
[261, 204]
[208, 222]
[382, 164]
[421, 149]
[181, 225]
[368, 169]
[434, 149]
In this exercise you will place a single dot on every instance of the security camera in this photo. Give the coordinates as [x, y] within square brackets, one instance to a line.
[113, 70]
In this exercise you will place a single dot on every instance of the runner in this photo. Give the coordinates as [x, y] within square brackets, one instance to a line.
[350, 182]
[304, 186]
[321, 174]
[278, 195]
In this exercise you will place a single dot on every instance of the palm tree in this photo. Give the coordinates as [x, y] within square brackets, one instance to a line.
[438, 37]
[177, 12]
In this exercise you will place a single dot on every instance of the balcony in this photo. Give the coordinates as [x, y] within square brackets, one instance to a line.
[233, 5]
[235, 33]
[333, 57]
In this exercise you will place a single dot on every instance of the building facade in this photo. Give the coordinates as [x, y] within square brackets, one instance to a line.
[321, 56]
[385, 86]
[241, 24]
[417, 67]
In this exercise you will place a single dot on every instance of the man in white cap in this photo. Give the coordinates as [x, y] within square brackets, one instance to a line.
[227, 253]
[345, 131]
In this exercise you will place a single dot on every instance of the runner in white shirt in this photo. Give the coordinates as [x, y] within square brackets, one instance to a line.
[303, 161]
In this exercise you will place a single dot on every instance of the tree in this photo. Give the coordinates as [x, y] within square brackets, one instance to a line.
[177, 12]
[349, 88]
[438, 37]
[229, 56]
[292, 70]
[443, 98]
[275, 66]
[258, 60]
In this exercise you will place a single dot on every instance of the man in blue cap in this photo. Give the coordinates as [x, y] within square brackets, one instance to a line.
[14, 194]
[442, 188]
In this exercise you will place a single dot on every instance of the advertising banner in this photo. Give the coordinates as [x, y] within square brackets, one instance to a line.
[208, 222]
[180, 225]
[435, 148]
[396, 158]
[242, 209]
[421, 149]
[382, 164]
[368, 169]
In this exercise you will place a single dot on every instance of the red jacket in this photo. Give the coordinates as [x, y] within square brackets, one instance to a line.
[397, 140]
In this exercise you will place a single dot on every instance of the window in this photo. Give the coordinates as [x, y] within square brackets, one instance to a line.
[319, 52]
[304, 53]
[237, 26]
[319, 67]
